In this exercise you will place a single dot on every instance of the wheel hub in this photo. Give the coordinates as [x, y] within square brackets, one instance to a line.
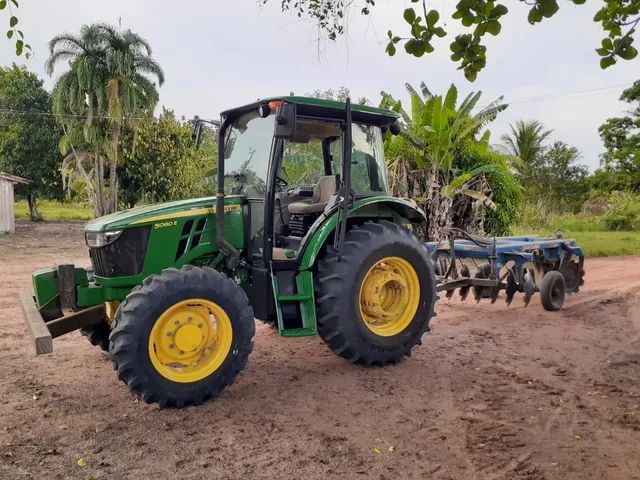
[389, 296]
[188, 337]
[190, 340]
[384, 294]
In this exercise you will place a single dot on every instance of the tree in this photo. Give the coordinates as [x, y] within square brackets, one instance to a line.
[339, 95]
[621, 139]
[552, 178]
[106, 89]
[618, 19]
[425, 159]
[562, 181]
[29, 141]
[525, 144]
[165, 164]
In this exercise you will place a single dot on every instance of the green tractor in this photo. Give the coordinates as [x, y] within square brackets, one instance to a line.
[302, 233]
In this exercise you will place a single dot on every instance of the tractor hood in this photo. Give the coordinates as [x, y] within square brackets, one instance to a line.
[157, 213]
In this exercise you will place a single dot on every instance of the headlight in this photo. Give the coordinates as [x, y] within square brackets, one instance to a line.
[97, 240]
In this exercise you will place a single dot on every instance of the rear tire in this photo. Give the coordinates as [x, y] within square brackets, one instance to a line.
[346, 317]
[182, 337]
[552, 290]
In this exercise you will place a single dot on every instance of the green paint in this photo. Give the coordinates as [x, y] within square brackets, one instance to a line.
[377, 115]
[45, 287]
[397, 210]
[307, 304]
[164, 241]
[144, 215]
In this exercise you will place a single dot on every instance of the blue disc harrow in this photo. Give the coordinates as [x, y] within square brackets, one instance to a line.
[518, 264]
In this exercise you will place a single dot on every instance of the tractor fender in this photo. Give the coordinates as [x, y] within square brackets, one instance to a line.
[397, 210]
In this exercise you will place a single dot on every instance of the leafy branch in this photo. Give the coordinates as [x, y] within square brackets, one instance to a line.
[13, 31]
[618, 18]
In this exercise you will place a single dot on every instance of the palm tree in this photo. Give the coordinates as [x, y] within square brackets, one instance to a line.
[436, 132]
[106, 88]
[525, 144]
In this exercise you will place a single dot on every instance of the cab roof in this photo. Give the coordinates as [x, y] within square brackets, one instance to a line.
[331, 109]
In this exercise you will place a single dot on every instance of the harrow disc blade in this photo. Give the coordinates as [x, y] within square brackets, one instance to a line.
[512, 287]
[495, 291]
[464, 291]
[529, 289]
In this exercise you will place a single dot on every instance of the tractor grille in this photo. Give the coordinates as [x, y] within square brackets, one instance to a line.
[124, 257]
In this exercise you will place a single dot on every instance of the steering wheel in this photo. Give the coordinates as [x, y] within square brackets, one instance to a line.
[281, 182]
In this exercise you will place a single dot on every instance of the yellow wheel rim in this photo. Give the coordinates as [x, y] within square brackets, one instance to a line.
[190, 340]
[389, 296]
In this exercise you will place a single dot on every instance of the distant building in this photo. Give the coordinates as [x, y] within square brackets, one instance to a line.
[7, 215]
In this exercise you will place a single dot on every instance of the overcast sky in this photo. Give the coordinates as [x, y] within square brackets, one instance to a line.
[218, 55]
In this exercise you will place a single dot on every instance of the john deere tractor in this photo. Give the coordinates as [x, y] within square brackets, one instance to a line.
[302, 233]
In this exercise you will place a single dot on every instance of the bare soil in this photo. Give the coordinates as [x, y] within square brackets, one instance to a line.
[494, 392]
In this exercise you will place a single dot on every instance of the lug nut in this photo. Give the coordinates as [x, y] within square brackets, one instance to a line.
[177, 322]
[199, 325]
[171, 345]
[189, 319]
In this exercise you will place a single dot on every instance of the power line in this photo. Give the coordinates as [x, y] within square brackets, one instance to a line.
[12, 111]
[533, 99]
[580, 93]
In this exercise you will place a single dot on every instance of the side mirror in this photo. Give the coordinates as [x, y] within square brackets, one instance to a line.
[203, 127]
[197, 130]
[285, 121]
[395, 128]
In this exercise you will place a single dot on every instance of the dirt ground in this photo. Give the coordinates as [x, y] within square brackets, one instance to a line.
[494, 392]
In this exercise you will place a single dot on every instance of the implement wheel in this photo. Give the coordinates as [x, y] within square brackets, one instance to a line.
[552, 291]
[182, 336]
[375, 304]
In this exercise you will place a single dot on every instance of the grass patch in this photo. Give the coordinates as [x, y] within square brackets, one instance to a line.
[597, 244]
[53, 210]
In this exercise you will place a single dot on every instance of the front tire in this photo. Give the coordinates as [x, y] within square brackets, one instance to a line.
[98, 335]
[182, 337]
[376, 303]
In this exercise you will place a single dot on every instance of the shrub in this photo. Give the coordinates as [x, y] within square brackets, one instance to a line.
[623, 212]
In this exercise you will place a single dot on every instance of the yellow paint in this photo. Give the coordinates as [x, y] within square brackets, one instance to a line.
[190, 340]
[389, 296]
[111, 309]
[187, 213]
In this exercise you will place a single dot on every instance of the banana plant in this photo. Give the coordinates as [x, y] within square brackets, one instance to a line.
[435, 130]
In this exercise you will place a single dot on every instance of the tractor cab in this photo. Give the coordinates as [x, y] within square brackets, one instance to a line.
[292, 179]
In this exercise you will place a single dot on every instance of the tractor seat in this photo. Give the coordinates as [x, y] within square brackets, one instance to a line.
[322, 192]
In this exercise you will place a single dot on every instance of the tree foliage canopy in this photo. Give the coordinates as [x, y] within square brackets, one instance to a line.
[28, 142]
[618, 19]
[108, 87]
[164, 164]
[621, 139]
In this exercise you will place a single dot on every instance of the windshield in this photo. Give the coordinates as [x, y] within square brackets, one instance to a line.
[246, 155]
